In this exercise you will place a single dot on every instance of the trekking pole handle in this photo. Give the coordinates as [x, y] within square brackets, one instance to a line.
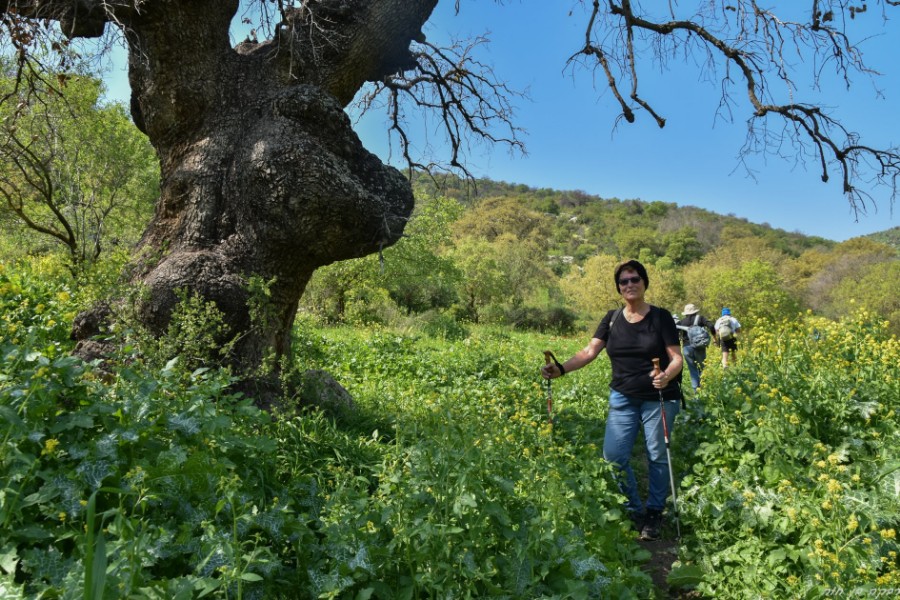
[656, 369]
[548, 356]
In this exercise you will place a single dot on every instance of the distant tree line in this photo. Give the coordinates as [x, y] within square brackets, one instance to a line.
[543, 259]
[76, 174]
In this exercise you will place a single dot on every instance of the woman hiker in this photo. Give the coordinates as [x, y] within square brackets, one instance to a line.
[633, 336]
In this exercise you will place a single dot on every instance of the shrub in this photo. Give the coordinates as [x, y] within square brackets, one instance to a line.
[557, 320]
[442, 325]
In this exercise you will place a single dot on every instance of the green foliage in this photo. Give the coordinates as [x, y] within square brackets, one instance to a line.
[875, 288]
[329, 291]
[72, 172]
[36, 309]
[559, 320]
[693, 256]
[156, 481]
[493, 218]
[632, 241]
[751, 289]
[683, 246]
[858, 270]
[591, 289]
[483, 279]
[795, 469]
[416, 271]
[889, 237]
[442, 326]
[194, 339]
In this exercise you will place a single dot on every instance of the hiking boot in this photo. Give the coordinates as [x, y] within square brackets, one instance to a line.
[652, 525]
[637, 521]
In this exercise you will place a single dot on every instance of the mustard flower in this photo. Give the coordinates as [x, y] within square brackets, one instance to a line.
[50, 446]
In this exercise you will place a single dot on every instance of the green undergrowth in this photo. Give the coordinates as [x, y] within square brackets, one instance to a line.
[793, 484]
[152, 479]
[446, 480]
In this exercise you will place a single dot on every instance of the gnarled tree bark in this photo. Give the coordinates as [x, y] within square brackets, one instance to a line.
[262, 174]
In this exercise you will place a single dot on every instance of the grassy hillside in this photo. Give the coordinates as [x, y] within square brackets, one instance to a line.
[891, 237]
[542, 259]
[588, 212]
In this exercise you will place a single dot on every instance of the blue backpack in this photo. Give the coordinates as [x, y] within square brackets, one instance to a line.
[697, 335]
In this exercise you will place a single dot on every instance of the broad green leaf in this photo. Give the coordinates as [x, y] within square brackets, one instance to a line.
[685, 576]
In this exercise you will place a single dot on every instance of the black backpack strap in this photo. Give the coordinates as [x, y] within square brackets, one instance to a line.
[615, 315]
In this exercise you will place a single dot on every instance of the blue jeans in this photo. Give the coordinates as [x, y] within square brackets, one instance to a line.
[694, 357]
[626, 417]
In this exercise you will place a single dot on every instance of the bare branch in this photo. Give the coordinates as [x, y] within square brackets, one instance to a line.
[471, 104]
[763, 48]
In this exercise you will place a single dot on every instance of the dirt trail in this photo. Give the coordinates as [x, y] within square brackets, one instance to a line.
[663, 553]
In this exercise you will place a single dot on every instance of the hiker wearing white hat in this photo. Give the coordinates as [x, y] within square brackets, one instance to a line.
[695, 331]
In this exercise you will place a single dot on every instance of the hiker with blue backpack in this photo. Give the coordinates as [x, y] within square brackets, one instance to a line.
[642, 396]
[696, 332]
[727, 328]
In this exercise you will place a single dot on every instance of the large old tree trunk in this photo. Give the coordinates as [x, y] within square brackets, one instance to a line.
[262, 174]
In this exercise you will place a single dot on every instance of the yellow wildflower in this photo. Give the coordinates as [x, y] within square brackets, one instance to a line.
[50, 446]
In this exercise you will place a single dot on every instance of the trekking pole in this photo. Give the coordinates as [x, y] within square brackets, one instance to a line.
[548, 356]
[662, 409]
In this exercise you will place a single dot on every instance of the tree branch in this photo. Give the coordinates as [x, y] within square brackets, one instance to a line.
[763, 48]
[470, 103]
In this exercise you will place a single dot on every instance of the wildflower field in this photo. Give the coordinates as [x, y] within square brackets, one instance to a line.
[445, 480]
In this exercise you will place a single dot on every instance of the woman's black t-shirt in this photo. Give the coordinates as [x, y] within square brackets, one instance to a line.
[631, 346]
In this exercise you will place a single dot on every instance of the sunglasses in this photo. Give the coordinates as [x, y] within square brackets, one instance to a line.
[627, 280]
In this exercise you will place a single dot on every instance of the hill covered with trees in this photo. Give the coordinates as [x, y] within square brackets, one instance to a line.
[488, 251]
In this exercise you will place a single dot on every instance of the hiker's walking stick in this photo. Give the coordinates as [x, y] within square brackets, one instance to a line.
[548, 357]
[662, 410]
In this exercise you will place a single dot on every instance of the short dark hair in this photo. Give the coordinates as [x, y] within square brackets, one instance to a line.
[632, 265]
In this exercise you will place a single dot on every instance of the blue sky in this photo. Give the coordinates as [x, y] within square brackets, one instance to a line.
[573, 142]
